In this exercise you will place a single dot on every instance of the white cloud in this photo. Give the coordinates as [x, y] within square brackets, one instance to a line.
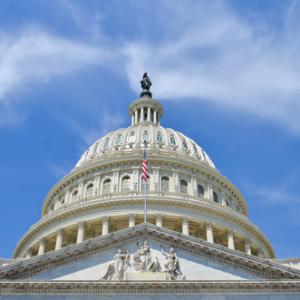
[36, 55]
[209, 53]
[203, 51]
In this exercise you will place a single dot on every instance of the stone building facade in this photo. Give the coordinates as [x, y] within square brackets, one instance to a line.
[198, 240]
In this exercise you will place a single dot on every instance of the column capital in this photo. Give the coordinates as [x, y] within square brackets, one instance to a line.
[105, 219]
[231, 232]
[59, 231]
[185, 220]
[210, 224]
[159, 217]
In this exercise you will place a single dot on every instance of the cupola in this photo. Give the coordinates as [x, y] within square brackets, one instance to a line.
[145, 109]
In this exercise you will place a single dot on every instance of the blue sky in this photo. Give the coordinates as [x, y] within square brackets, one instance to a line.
[227, 73]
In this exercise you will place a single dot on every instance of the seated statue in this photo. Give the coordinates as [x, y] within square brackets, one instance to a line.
[171, 266]
[142, 260]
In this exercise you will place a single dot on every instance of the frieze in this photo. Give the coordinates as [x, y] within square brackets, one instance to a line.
[151, 287]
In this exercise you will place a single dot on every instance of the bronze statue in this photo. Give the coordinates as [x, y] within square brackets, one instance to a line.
[146, 84]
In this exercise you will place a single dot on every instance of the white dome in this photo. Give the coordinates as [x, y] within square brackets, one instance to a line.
[157, 137]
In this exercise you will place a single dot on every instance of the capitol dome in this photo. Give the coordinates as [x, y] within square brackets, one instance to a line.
[104, 192]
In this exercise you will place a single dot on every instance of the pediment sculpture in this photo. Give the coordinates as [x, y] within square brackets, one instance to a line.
[143, 262]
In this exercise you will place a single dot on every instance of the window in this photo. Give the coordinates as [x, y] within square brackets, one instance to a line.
[106, 186]
[165, 184]
[172, 140]
[184, 144]
[183, 186]
[105, 144]
[125, 183]
[74, 195]
[89, 190]
[200, 190]
[145, 137]
[131, 137]
[195, 150]
[215, 197]
[62, 200]
[118, 139]
[159, 138]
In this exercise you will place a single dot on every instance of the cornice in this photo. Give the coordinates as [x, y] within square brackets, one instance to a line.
[137, 198]
[266, 287]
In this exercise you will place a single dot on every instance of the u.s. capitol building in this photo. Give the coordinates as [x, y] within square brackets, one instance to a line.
[198, 243]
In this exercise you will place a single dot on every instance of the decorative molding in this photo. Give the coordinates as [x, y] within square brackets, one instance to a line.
[150, 287]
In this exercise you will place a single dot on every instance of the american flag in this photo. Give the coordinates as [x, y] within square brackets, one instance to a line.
[145, 175]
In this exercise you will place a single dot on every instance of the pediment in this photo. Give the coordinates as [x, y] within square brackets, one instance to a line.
[99, 258]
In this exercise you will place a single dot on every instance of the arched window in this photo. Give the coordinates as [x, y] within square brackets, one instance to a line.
[172, 140]
[74, 195]
[159, 138]
[165, 184]
[125, 183]
[118, 139]
[200, 190]
[216, 197]
[105, 144]
[106, 186]
[131, 137]
[184, 144]
[145, 137]
[89, 190]
[183, 186]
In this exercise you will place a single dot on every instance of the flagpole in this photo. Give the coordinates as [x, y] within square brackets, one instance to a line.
[145, 189]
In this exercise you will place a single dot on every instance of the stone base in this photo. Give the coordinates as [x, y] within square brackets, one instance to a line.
[144, 276]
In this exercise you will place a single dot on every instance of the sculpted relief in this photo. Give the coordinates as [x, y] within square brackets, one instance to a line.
[143, 262]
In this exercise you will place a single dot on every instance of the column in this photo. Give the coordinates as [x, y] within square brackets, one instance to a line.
[209, 232]
[185, 226]
[132, 120]
[223, 199]
[247, 246]
[149, 115]
[142, 114]
[41, 247]
[155, 117]
[59, 238]
[132, 220]
[105, 225]
[208, 193]
[136, 117]
[230, 239]
[80, 232]
[80, 190]
[159, 221]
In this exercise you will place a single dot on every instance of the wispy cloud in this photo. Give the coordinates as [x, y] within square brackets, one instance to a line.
[212, 54]
[36, 55]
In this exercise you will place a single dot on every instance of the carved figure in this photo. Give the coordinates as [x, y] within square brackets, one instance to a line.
[146, 82]
[116, 269]
[142, 258]
[171, 266]
[143, 262]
